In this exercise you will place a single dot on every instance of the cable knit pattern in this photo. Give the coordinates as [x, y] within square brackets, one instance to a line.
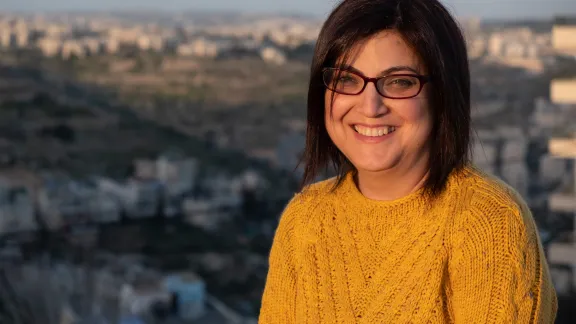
[473, 255]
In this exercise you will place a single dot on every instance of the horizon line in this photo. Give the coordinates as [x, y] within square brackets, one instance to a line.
[279, 12]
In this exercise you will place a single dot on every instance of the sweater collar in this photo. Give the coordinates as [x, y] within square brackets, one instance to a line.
[353, 196]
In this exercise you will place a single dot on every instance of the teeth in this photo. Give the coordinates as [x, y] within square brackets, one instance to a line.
[374, 131]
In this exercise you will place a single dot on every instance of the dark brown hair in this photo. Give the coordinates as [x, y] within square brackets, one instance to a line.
[433, 33]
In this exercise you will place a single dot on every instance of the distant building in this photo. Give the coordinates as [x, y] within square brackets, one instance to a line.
[111, 45]
[203, 47]
[563, 32]
[273, 55]
[49, 46]
[17, 212]
[201, 213]
[476, 47]
[92, 45]
[496, 45]
[72, 48]
[18, 193]
[67, 202]
[150, 42]
[562, 91]
[5, 37]
[175, 172]
[515, 49]
[137, 198]
[487, 108]
[548, 116]
[221, 198]
[142, 294]
[190, 293]
[22, 38]
[173, 169]
[552, 170]
[225, 191]
[564, 41]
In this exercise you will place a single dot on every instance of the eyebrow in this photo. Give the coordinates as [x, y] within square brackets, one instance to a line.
[398, 68]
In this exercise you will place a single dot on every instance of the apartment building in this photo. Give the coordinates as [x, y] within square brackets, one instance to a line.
[563, 91]
[563, 32]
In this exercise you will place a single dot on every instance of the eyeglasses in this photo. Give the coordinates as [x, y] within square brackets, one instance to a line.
[393, 86]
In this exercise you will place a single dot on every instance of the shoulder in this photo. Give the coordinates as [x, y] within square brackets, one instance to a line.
[306, 201]
[490, 207]
[482, 192]
[313, 193]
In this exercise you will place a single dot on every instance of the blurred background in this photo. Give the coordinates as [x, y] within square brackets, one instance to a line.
[148, 148]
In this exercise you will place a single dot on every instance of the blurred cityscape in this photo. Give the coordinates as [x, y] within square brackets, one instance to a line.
[146, 157]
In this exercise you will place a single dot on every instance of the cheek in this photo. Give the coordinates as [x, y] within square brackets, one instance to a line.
[415, 112]
[335, 108]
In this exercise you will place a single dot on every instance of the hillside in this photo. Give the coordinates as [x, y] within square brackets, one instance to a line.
[50, 123]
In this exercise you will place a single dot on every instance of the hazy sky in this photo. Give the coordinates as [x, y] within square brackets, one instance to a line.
[483, 8]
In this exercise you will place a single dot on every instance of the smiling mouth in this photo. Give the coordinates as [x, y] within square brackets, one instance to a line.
[374, 131]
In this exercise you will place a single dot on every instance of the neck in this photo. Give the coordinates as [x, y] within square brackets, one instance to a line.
[393, 183]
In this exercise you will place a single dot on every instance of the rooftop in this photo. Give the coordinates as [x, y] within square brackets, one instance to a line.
[565, 21]
[187, 277]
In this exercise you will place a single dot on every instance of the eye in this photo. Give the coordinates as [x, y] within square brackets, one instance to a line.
[347, 79]
[401, 82]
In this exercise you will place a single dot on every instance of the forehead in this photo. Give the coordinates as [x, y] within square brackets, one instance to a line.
[382, 51]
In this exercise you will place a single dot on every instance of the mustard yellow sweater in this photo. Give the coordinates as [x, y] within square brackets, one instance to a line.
[471, 256]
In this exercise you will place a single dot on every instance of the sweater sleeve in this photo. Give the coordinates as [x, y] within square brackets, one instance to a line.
[278, 300]
[497, 270]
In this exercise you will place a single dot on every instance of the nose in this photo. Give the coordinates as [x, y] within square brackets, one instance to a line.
[372, 103]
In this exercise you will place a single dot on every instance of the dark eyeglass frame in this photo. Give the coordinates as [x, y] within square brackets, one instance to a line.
[423, 79]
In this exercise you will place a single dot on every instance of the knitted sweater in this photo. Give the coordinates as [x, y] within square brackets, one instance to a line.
[473, 255]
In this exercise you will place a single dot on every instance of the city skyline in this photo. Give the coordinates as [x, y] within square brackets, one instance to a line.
[509, 9]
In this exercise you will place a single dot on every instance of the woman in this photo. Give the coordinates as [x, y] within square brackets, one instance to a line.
[409, 231]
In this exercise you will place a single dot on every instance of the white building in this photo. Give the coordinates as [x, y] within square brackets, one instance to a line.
[141, 294]
[138, 198]
[515, 49]
[177, 174]
[495, 45]
[150, 42]
[273, 55]
[202, 213]
[67, 202]
[49, 46]
[175, 171]
[225, 191]
[202, 47]
[5, 37]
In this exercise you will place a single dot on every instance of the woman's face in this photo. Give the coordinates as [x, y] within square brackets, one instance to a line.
[377, 133]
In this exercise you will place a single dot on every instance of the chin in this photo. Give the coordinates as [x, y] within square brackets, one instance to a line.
[375, 166]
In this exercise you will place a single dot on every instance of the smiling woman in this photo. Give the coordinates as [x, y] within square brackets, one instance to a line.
[409, 231]
[369, 123]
